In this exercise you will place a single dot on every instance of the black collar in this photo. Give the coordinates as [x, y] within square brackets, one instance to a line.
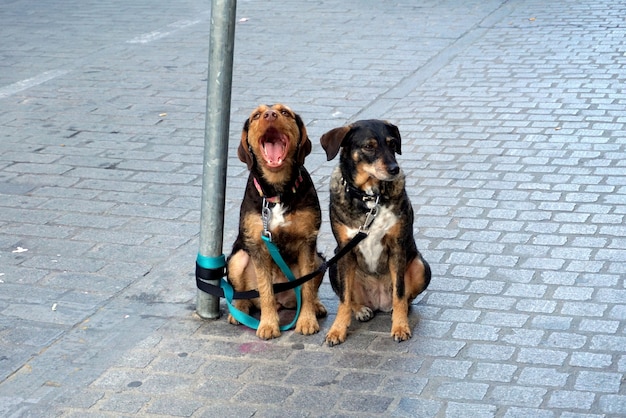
[357, 193]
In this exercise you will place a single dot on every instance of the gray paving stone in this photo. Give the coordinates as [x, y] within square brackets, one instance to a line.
[494, 372]
[598, 381]
[263, 393]
[314, 399]
[584, 309]
[571, 400]
[536, 305]
[174, 406]
[462, 390]
[490, 352]
[613, 404]
[494, 302]
[505, 319]
[479, 332]
[542, 376]
[124, 403]
[457, 409]
[409, 407]
[541, 356]
[450, 368]
[514, 412]
[521, 396]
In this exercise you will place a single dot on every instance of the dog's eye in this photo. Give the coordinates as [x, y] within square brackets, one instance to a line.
[369, 147]
[285, 113]
[256, 116]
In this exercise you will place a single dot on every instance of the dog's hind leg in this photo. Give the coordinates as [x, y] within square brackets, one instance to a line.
[364, 313]
[417, 277]
[359, 301]
[241, 276]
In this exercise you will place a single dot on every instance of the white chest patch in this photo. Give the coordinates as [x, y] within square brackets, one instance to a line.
[277, 218]
[371, 247]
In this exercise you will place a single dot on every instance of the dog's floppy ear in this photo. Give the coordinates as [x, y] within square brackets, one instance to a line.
[396, 134]
[331, 141]
[243, 152]
[304, 147]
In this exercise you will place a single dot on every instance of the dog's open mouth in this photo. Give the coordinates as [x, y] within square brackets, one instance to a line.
[274, 146]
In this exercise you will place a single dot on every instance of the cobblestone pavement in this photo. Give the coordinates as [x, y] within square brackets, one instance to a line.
[513, 115]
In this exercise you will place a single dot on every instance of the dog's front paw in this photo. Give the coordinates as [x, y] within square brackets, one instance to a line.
[307, 326]
[401, 332]
[335, 337]
[267, 331]
[364, 314]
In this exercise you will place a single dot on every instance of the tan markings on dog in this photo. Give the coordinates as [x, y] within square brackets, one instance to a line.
[393, 232]
[414, 278]
[400, 329]
[307, 323]
[344, 234]
[273, 135]
[268, 324]
[365, 182]
[368, 176]
[301, 224]
[253, 225]
[239, 266]
[378, 171]
[362, 179]
[339, 330]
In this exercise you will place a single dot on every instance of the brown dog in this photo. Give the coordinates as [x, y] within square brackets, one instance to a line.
[274, 144]
[385, 271]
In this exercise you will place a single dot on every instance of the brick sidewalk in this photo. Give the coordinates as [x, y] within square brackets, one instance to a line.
[513, 118]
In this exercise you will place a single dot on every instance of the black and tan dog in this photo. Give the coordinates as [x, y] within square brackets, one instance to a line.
[385, 272]
[274, 144]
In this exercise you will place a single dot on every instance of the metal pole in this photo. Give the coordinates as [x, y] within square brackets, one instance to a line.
[221, 47]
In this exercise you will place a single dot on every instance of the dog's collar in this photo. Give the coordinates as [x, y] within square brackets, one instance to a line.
[358, 193]
[277, 198]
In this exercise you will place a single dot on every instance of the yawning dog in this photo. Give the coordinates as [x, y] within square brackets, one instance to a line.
[385, 271]
[274, 144]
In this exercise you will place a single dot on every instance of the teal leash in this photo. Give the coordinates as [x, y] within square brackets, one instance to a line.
[248, 320]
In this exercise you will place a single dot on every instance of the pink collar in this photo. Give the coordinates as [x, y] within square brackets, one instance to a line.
[276, 199]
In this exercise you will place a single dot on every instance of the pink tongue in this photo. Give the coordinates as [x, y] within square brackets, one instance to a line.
[274, 151]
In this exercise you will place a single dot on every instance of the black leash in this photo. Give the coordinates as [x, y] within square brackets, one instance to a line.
[205, 274]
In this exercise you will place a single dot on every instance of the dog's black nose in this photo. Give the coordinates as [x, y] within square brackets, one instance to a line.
[270, 115]
[393, 169]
